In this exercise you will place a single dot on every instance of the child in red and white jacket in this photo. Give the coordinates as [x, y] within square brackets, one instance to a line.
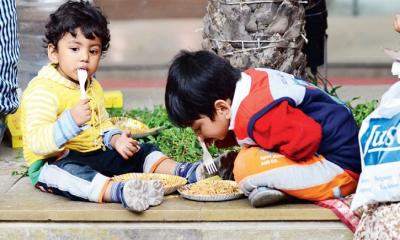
[295, 138]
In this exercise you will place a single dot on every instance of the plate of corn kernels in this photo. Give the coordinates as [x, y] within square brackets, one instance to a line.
[170, 182]
[136, 128]
[212, 189]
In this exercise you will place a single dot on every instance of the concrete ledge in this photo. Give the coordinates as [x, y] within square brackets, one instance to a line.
[174, 209]
[242, 230]
[24, 203]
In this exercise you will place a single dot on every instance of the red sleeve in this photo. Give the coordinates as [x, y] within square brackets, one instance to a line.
[288, 131]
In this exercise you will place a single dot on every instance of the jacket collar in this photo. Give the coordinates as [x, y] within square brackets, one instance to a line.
[241, 91]
[50, 72]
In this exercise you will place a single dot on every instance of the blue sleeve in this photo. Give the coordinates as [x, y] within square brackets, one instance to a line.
[108, 136]
[65, 128]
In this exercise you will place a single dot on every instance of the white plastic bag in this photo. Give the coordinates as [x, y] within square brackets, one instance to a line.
[379, 139]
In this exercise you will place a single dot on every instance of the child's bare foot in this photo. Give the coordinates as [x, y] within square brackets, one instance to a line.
[139, 195]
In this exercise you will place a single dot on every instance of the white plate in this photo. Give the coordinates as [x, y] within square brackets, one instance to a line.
[208, 198]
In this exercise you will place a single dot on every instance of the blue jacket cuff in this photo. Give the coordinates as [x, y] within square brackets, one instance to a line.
[65, 128]
[108, 136]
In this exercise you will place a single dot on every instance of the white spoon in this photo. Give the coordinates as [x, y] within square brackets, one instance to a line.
[82, 76]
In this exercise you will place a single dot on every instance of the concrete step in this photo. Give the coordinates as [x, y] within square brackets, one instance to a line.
[27, 213]
[23, 202]
[189, 230]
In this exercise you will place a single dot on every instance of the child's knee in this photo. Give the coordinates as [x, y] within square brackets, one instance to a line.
[152, 156]
[314, 179]
[147, 148]
[255, 160]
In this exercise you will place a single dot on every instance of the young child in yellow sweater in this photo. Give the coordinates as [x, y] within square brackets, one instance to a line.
[71, 147]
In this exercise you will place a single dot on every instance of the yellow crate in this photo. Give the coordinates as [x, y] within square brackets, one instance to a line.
[113, 99]
[14, 129]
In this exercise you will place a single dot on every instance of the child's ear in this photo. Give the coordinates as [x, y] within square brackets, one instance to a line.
[52, 53]
[223, 107]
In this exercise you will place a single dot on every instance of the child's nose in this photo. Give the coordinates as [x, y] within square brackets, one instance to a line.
[84, 56]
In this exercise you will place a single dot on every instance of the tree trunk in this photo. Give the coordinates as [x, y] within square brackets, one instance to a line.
[257, 33]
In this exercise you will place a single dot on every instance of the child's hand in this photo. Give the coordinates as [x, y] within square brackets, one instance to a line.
[126, 146]
[81, 112]
[397, 23]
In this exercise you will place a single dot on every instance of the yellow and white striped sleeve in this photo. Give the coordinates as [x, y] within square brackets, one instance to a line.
[40, 108]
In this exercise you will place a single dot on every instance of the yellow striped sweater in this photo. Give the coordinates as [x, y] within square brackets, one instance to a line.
[45, 99]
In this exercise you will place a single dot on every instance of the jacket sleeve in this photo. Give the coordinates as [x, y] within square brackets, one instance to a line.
[41, 111]
[106, 124]
[288, 131]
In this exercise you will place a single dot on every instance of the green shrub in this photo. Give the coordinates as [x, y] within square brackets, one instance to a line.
[362, 110]
[179, 143]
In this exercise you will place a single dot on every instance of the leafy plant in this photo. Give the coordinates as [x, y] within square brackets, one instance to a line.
[115, 112]
[157, 117]
[362, 110]
[21, 172]
[179, 143]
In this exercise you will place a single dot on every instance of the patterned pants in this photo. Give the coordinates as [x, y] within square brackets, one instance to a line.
[9, 54]
[2, 128]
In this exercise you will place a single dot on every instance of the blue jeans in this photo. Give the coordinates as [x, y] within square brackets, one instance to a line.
[84, 176]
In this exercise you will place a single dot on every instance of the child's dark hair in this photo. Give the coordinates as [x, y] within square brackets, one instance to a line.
[195, 81]
[72, 15]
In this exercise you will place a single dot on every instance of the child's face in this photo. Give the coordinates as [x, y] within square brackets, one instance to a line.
[217, 129]
[73, 53]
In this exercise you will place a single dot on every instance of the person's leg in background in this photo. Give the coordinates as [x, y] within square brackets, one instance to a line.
[9, 54]
[2, 127]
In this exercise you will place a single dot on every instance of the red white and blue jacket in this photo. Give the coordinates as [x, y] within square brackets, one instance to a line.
[284, 114]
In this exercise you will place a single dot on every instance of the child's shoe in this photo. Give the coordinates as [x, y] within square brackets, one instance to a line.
[156, 192]
[195, 172]
[263, 196]
[139, 195]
